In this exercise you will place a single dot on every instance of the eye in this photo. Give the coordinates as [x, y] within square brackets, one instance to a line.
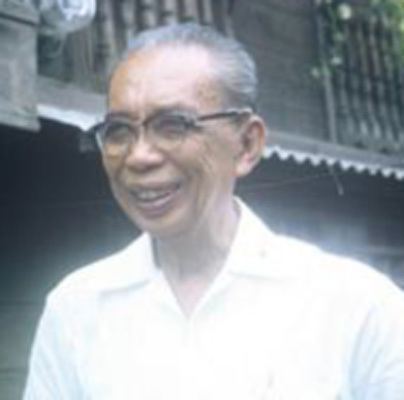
[116, 132]
[171, 125]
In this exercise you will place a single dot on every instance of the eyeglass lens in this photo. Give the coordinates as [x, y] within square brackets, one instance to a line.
[165, 131]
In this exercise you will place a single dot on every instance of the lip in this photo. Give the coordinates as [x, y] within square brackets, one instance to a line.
[155, 200]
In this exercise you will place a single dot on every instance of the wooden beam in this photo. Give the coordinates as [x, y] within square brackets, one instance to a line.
[68, 103]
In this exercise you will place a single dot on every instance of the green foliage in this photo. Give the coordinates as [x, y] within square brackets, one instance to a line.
[395, 11]
[341, 11]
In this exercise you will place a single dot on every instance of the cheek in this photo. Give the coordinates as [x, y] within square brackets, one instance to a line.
[206, 159]
[112, 169]
[214, 161]
[111, 166]
[202, 159]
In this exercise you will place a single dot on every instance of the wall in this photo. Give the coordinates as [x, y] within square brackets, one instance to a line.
[56, 214]
[282, 38]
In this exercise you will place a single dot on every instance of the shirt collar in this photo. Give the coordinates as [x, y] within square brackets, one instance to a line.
[256, 252]
[132, 266]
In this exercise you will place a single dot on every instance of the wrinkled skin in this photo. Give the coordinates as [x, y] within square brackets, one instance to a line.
[198, 178]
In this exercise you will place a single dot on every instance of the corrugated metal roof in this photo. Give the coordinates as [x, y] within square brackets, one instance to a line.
[358, 166]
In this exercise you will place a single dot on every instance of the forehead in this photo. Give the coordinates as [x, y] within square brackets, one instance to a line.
[165, 77]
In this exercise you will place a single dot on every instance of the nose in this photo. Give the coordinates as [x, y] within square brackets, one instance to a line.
[143, 154]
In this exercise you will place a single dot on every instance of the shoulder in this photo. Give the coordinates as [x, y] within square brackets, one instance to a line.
[324, 273]
[90, 281]
[337, 276]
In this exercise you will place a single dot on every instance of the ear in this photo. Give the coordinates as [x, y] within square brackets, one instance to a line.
[252, 142]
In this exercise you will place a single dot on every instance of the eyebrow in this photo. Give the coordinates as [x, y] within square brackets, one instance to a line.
[174, 109]
[117, 114]
[160, 110]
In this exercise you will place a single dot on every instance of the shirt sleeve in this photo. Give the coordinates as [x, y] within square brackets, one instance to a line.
[52, 370]
[378, 368]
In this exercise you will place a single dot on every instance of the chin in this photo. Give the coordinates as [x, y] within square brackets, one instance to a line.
[167, 226]
[162, 231]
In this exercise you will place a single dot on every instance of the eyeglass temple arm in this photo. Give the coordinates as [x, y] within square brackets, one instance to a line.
[226, 114]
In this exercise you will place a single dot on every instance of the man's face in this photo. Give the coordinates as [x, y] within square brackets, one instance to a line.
[171, 192]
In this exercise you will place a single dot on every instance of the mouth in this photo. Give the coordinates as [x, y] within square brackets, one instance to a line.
[155, 201]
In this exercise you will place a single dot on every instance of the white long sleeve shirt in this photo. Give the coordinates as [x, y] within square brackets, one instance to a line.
[282, 321]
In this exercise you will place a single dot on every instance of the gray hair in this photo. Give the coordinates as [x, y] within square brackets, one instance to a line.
[236, 69]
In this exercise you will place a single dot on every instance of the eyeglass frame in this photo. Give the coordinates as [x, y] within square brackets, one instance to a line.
[192, 121]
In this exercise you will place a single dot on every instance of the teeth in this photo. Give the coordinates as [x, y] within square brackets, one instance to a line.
[148, 195]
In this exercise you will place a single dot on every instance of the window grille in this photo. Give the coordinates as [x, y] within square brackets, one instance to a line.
[362, 70]
[88, 57]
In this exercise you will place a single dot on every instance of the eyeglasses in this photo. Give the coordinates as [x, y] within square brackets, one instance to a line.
[165, 130]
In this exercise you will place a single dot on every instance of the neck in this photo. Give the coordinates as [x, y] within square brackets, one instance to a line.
[191, 261]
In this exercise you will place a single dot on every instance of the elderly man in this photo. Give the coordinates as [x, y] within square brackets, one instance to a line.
[208, 304]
